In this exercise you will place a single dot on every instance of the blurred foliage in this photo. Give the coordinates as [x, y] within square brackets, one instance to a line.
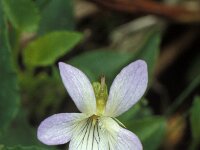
[47, 49]
[20, 127]
[149, 130]
[23, 14]
[150, 51]
[47, 91]
[21, 148]
[108, 65]
[112, 61]
[36, 34]
[140, 110]
[56, 15]
[9, 90]
[182, 97]
[194, 68]
[195, 121]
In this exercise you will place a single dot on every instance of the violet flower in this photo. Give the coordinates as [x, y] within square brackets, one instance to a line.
[96, 127]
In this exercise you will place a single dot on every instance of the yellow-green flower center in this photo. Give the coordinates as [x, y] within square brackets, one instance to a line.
[101, 94]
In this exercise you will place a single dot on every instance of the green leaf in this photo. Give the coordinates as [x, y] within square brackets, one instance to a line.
[41, 3]
[9, 91]
[195, 119]
[130, 114]
[21, 133]
[138, 111]
[101, 62]
[150, 131]
[108, 63]
[142, 37]
[57, 15]
[20, 127]
[23, 14]
[18, 147]
[150, 51]
[47, 49]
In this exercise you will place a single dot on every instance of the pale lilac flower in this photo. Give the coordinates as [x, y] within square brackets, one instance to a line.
[96, 127]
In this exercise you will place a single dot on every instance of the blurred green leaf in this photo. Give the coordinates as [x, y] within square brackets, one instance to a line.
[195, 119]
[151, 131]
[150, 51]
[23, 14]
[18, 147]
[47, 49]
[9, 94]
[57, 15]
[132, 35]
[101, 62]
[19, 128]
[193, 70]
[21, 133]
[109, 63]
[130, 114]
[41, 3]
[42, 92]
[138, 111]
[142, 37]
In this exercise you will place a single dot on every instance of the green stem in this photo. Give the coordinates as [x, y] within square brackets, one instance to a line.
[180, 99]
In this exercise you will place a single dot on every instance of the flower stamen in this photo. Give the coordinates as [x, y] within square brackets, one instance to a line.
[94, 119]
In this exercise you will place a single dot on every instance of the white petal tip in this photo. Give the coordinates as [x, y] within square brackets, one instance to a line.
[141, 62]
[61, 65]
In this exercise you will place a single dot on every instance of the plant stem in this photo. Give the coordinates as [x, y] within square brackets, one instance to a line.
[180, 99]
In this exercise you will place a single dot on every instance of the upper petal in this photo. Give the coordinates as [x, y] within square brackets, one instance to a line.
[127, 88]
[58, 129]
[79, 88]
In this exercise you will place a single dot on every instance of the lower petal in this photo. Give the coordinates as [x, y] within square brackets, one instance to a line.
[103, 133]
[127, 140]
[89, 136]
[120, 138]
[57, 129]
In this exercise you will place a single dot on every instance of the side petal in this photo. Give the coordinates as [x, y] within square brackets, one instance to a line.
[127, 88]
[58, 129]
[78, 87]
[127, 140]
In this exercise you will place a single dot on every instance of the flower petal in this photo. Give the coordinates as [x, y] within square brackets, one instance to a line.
[127, 141]
[127, 88]
[58, 129]
[104, 134]
[118, 137]
[79, 88]
[88, 135]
